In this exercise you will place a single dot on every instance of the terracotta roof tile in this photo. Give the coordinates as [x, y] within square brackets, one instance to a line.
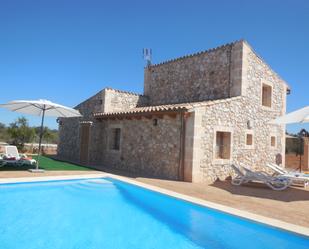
[164, 108]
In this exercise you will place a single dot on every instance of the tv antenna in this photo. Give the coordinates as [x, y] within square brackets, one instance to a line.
[147, 54]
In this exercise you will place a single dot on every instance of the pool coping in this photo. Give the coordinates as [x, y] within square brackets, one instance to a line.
[301, 230]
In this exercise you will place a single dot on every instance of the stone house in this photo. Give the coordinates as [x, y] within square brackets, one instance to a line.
[198, 114]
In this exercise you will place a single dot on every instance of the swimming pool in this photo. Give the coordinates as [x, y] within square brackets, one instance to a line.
[108, 213]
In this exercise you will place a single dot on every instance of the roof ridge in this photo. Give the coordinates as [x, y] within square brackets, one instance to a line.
[197, 53]
[122, 91]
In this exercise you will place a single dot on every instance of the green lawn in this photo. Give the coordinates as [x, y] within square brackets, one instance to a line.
[47, 163]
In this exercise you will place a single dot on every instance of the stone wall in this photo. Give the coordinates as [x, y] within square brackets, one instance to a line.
[233, 116]
[68, 146]
[145, 149]
[107, 100]
[91, 105]
[212, 74]
[116, 100]
[111, 100]
[69, 128]
[256, 72]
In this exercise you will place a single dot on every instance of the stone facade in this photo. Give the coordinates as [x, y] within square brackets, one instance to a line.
[116, 101]
[233, 116]
[110, 100]
[69, 128]
[204, 76]
[225, 88]
[68, 146]
[146, 149]
[107, 100]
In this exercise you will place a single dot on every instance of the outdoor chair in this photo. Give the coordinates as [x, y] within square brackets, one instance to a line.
[12, 157]
[12, 152]
[297, 178]
[245, 175]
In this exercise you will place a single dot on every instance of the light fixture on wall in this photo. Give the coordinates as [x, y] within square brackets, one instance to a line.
[250, 124]
[155, 122]
[59, 121]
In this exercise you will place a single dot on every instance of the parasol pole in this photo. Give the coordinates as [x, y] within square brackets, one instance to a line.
[41, 136]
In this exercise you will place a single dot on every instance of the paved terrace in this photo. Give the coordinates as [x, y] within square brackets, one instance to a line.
[291, 205]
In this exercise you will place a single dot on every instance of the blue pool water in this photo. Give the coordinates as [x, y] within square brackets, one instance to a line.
[106, 213]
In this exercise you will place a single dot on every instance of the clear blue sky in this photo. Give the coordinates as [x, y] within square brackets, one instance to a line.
[67, 50]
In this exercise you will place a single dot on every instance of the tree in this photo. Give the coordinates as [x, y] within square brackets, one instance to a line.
[3, 133]
[303, 133]
[2, 127]
[49, 135]
[20, 132]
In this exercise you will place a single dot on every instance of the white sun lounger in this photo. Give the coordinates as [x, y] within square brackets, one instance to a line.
[278, 169]
[298, 179]
[245, 175]
[11, 151]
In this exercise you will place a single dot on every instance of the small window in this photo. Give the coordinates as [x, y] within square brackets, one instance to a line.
[266, 95]
[249, 139]
[273, 141]
[223, 145]
[114, 141]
